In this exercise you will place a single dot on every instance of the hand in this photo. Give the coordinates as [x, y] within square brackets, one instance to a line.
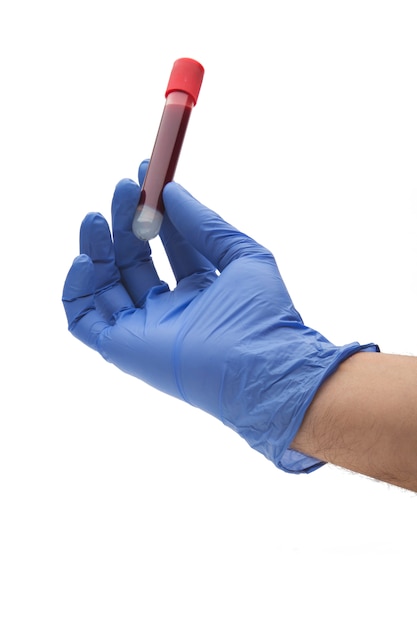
[227, 339]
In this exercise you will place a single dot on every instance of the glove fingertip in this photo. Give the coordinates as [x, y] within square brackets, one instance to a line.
[80, 279]
[91, 218]
[126, 194]
[95, 236]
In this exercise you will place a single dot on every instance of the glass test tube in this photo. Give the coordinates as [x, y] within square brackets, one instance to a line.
[181, 96]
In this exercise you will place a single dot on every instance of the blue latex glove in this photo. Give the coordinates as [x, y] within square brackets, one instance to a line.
[229, 341]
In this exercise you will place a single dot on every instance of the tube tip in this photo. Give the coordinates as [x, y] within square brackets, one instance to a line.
[186, 75]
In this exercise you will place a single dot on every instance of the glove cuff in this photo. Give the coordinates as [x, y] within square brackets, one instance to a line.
[268, 410]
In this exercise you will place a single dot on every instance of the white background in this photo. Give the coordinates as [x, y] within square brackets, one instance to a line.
[119, 505]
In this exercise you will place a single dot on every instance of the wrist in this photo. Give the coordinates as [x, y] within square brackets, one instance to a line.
[364, 418]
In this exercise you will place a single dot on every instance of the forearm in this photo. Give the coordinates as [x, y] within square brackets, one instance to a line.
[364, 418]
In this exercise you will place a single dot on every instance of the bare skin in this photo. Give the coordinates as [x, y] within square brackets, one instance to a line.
[364, 418]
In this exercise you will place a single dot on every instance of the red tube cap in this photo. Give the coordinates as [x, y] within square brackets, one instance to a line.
[186, 75]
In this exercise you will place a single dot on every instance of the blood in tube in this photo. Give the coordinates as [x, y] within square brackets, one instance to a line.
[181, 96]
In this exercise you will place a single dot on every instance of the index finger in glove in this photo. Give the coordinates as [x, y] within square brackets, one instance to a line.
[206, 231]
[133, 257]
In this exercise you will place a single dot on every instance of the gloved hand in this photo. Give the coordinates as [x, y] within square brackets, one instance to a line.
[227, 339]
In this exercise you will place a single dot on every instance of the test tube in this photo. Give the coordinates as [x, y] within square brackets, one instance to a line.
[181, 96]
